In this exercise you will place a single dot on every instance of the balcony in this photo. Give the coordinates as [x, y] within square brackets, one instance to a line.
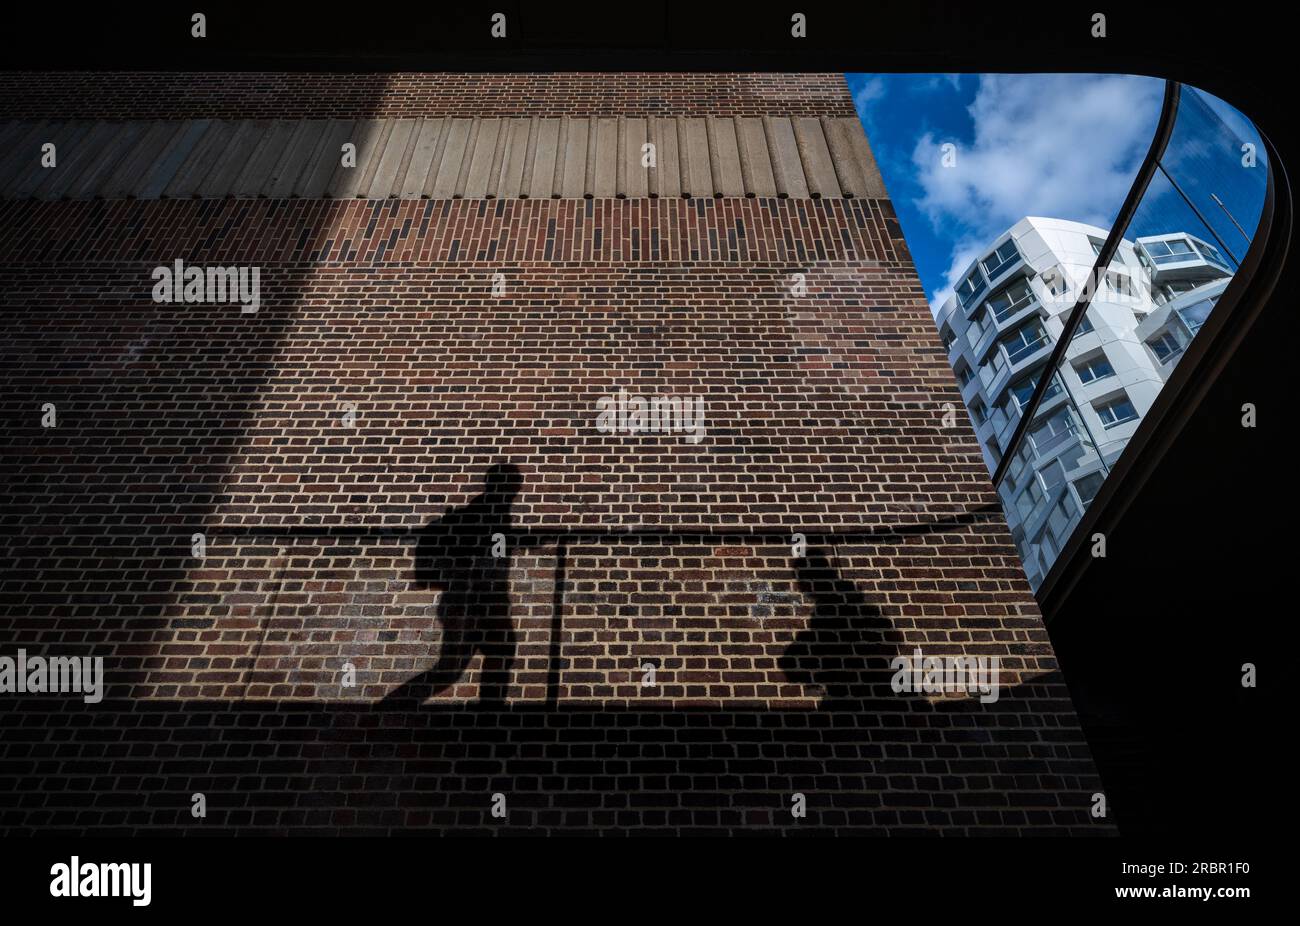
[1014, 361]
[1012, 306]
[996, 373]
[1022, 352]
[954, 352]
[971, 291]
[1181, 258]
[1005, 258]
[1049, 444]
[1010, 418]
[987, 350]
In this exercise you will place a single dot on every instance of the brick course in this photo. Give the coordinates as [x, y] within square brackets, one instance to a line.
[283, 95]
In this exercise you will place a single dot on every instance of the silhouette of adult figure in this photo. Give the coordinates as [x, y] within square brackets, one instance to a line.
[454, 553]
[847, 646]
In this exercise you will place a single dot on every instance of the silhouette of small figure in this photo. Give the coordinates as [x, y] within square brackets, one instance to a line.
[847, 647]
[454, 553]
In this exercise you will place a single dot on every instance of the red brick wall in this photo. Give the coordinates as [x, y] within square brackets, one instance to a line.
[247, 95]
[823, 416]
[328, 544]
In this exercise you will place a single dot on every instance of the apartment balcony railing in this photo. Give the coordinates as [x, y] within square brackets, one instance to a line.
[1172, 357]
[1002, 270]
[970, 300]
[1008, 311]
[1045, 446]
[996, 374]
[1022, 352]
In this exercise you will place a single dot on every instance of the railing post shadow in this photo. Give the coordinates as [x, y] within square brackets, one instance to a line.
[557, 628]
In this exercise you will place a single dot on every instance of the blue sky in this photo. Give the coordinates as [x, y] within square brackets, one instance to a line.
[1060, 145]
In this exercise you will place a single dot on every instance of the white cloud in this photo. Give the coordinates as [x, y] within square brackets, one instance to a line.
[952, 80]
[1238, 124]
[869, 92]
[963, 252]
[1065, 146]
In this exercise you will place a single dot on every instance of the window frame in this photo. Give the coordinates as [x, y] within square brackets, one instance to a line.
[1161, 338]
[1109, 405]
[1003, 263]
[1086, 364]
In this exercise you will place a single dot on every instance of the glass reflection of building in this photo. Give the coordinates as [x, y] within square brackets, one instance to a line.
[1008, 311]
[1001, 332]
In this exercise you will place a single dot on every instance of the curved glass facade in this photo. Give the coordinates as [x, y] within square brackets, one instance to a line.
[1174, 259]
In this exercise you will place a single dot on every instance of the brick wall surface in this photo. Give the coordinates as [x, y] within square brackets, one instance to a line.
[649, 654]
[282, 95]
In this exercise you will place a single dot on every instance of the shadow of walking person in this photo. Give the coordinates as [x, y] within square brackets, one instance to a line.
[454, 554]
[847, 646]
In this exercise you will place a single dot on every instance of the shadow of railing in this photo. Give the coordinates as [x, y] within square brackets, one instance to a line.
[562, 539]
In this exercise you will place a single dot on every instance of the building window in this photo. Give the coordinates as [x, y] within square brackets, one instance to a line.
[1019, 465]
[1028, 499]
[964, 376]
[1096, 245]
[1053, 432]
[1048, 548]
[1085, 325]
[1211, 254]
[1088, 486]
[1054, 280]
[992, 368]
[969, 288]
[1024, 341]
[1171, 251]
[979, 412]
[1164, 346]
[1001, 415]
[1116, 412]
[1194, 315]
[1060, 518]
[1011, 300]
[1053, 474]
[1023, 389]
[1002, 257]
[1091, 369]
[1120, 284]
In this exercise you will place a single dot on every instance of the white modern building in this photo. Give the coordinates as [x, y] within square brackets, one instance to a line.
[1000, 328]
